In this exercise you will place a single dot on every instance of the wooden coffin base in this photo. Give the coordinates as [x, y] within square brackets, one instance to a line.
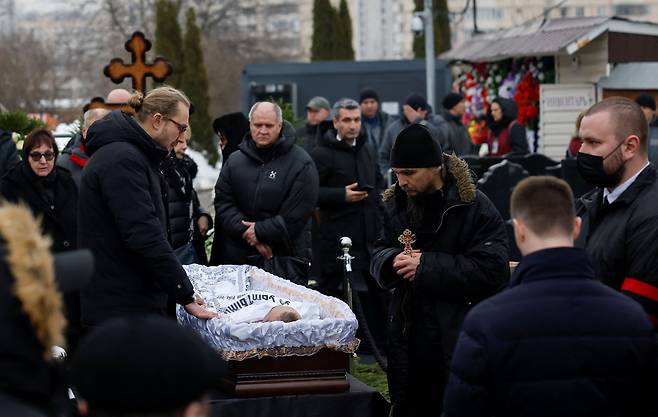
[321, 373]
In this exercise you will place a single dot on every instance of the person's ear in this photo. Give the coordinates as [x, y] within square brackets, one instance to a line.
[335, 123]
[519, 231]
[632, 146]
[157, 121]
[577, 223]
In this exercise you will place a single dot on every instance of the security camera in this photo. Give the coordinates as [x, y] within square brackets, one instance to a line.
[418, 23]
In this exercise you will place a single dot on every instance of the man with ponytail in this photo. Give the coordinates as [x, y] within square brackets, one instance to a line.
[122, 211]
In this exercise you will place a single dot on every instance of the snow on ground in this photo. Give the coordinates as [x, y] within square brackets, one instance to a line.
[207, 175]
[63, 133]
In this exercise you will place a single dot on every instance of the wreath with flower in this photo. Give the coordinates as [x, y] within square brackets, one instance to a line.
[517, 79]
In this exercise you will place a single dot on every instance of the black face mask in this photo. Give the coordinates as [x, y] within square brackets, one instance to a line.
[590, 168]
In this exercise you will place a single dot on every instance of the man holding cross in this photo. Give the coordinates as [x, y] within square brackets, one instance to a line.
[122, 216]
[443, 248]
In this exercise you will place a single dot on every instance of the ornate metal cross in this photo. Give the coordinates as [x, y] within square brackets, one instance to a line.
[138, 70]
[407, 238]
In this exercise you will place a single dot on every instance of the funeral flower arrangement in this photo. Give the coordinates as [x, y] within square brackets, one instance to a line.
[516, 79]
[228, 288]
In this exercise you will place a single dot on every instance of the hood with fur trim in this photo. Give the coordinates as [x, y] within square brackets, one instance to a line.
[31, 309]
[459, 170]
[27, 255]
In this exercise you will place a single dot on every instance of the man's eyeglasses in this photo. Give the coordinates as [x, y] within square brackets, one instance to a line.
[36, 156]
[181, 128]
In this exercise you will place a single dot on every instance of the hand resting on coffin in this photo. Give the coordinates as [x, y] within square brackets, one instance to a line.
[198, 309]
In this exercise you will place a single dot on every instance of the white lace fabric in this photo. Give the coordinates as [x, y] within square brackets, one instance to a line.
[218, 285]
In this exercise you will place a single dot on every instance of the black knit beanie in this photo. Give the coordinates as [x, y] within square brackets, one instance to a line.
[645, 100]
[451, 100]
[415, 148]
[416, 101]
[368, 93]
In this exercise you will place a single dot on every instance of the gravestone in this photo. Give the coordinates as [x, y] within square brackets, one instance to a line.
[137, 70]
[488, 161]
[498, 183]
[474, 165]
[534, 163]
[568, 171]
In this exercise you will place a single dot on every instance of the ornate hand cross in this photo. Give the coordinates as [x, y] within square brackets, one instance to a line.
[138, 70]
[407, 238]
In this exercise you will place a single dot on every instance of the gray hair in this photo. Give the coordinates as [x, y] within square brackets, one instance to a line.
[344, 103]
[277, 110]
[91, 116]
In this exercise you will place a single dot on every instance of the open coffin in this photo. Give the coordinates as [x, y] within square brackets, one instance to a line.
[266, 358]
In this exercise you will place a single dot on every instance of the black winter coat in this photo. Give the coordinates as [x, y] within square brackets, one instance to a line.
[123, 221]
[308, 136]
[621, 239]
[464, 261]
[59, 217]
[375, 133]
[460, 141]
[183, 207]
[278, 195]
[8, 155]
[339, 165]
[557, 342]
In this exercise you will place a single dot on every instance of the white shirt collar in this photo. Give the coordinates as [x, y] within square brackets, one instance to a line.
[614, 194]
[340, 140]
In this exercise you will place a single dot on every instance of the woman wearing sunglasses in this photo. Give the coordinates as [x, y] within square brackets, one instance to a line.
[51, 194]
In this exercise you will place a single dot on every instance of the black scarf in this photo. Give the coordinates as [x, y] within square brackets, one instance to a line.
[45, 186]
[177, 176]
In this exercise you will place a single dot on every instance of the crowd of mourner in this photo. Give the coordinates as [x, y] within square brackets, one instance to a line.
[568, 331]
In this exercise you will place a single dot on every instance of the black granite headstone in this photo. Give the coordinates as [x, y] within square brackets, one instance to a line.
[498, 183]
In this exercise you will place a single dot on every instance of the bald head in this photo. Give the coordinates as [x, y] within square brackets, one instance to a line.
[265, 123]
[90, 117]
[118, 96]
[266, 107]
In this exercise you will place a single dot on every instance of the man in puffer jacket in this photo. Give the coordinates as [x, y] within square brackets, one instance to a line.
[557, 341]
[122, 217]
[264, 198]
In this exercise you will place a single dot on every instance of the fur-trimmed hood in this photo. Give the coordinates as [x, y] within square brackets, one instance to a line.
[459, 170]
[31, 315]
[32, 279]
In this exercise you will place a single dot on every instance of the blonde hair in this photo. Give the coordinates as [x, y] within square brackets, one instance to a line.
[163, 100]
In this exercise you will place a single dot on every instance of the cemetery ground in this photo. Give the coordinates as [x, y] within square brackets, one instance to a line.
[366, 370]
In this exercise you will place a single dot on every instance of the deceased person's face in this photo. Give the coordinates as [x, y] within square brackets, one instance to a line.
[285, 314]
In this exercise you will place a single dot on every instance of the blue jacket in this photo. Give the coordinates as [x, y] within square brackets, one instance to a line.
[556, 342]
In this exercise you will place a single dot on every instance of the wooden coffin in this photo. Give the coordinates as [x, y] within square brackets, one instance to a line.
[321, 373]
